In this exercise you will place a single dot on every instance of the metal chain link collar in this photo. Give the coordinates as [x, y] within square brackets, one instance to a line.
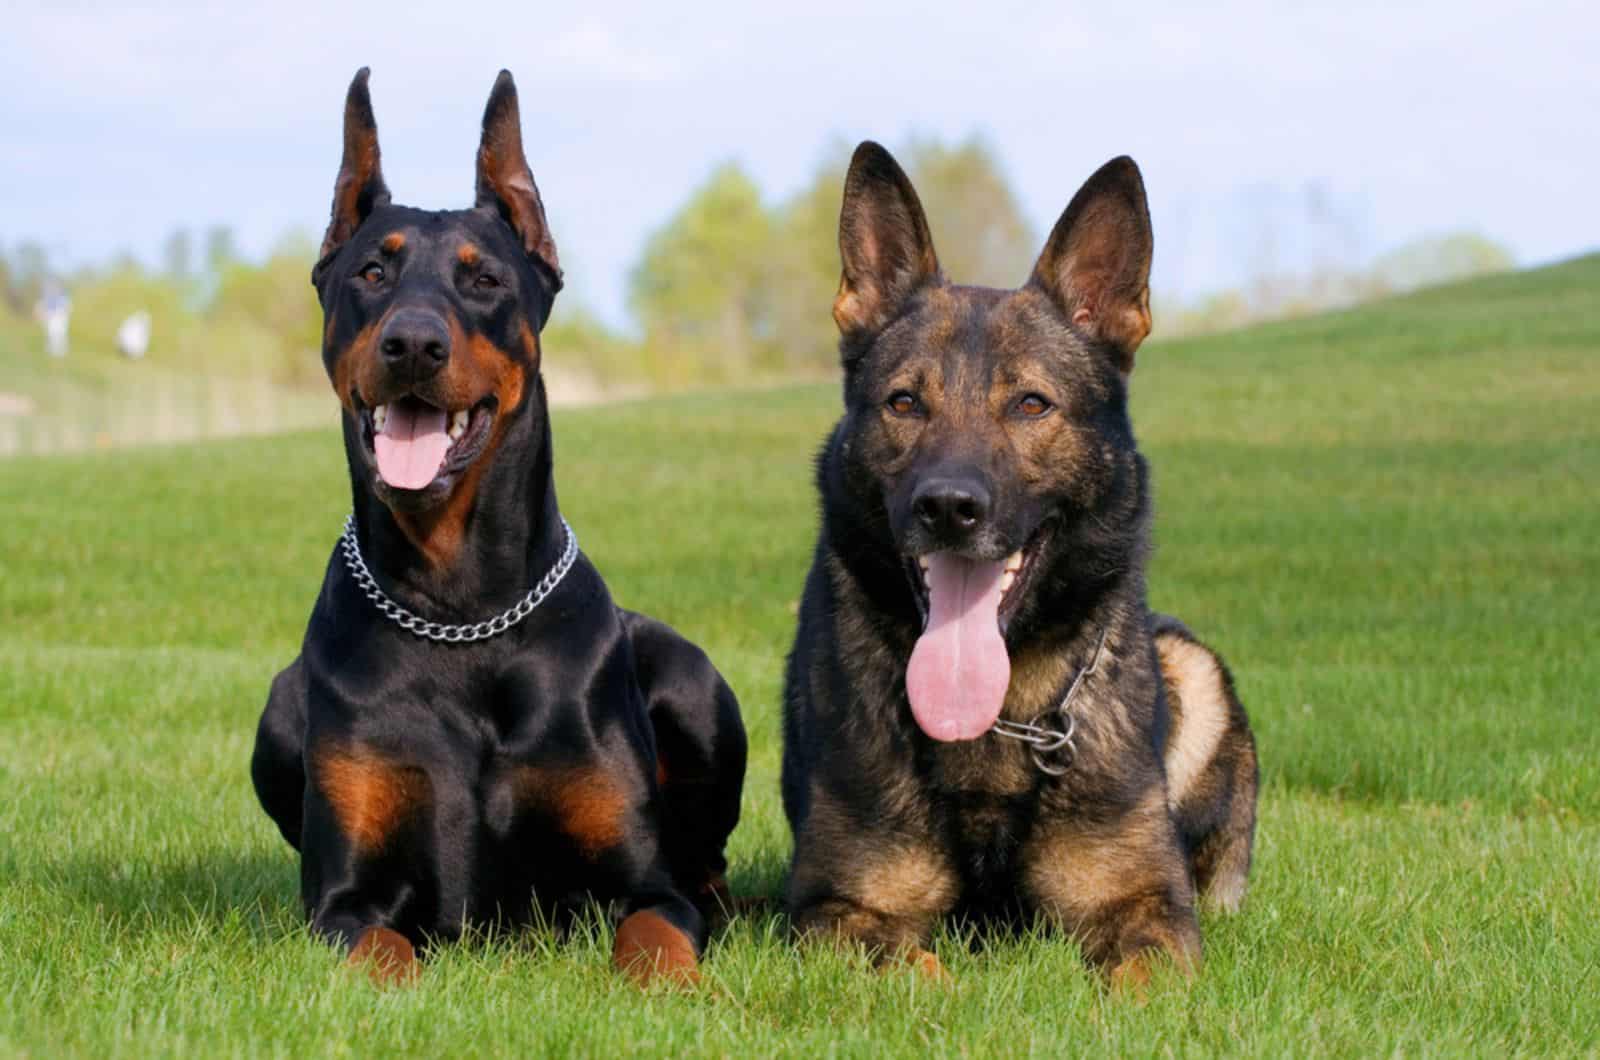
[1042, 741]
[421, 627]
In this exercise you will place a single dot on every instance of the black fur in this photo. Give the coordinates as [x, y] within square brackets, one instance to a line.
[1014, 402]
[586, 752]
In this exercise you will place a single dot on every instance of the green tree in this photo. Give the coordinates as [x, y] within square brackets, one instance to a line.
[273, 312]
[177, 255]
[806, 269]
[978, 227]
[222, 249]
[1439, 259]
[728, 287]
[702, 289]
[576, 340]
[26, 268]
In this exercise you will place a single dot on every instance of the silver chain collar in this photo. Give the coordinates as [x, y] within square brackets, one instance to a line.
[1043, 741]
[438, 631]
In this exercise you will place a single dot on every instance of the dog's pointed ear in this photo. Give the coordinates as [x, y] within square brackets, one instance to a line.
[505, 182]
[884, 243]
[359, 188]
[1096, 263]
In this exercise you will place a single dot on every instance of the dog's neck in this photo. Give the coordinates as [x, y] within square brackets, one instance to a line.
[475, 554]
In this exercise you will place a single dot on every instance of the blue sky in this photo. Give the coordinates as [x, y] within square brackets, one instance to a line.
[121, 122]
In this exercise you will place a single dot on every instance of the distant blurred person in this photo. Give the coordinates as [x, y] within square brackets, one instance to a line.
[55, 313]
[133, 336]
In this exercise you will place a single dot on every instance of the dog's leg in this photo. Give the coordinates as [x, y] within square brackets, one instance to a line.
[1123, 889]
[1221, 860]
[700, 758]
[277, 768]
[1210, 764]
[662, 933]
[363, 866]
[884, 890]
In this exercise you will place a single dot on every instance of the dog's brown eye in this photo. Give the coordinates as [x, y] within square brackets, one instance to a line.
[1033, 406]
[373, 273]
[903, 403]
[485, 282]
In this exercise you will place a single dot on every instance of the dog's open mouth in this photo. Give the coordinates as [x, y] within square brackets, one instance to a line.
[416, 444]
[960, 670]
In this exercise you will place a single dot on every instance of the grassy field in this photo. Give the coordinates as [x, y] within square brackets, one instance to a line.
[1386, 518]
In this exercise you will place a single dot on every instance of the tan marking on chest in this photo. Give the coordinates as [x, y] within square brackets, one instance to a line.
[1039, 677]
[589, 805]
[370, 794]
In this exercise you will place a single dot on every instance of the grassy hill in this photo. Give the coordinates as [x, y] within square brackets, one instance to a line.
[1384, 517]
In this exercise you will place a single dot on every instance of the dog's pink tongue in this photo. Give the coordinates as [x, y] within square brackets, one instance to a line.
[411, 445]
[959, 669]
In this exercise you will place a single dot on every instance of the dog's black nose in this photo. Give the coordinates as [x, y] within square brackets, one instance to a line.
[415, 343]
[951, 507]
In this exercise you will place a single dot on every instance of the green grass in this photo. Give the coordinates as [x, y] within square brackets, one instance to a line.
[1385, 518]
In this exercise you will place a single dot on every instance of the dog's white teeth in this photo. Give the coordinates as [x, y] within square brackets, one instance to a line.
[380, 416]
[458, 424]
[1006, 579]
[1014, 562]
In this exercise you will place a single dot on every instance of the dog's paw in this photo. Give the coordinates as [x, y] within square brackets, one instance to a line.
[388, 956]
[649, 948]
[1131, 978]
[925, 963]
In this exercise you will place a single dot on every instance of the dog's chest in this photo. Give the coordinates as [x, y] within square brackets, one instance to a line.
[988, 833]
[988, 797]
[988, 769]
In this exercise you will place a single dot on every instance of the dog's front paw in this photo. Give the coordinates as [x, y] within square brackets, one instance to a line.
[925, 963]
[650, 948]
[388, 956]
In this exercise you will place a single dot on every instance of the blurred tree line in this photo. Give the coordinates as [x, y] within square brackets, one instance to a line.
[733, 286]
[212, 311]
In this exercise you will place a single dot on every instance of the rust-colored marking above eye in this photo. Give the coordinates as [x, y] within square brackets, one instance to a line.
[393, 242]
[468, 254]
[370, 795]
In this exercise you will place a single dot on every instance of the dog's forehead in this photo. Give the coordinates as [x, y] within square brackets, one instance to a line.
[1025, 329]
[450, 229]
[1004, 334]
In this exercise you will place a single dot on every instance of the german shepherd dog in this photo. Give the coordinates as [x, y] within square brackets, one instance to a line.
[474, 733]
[981, 715]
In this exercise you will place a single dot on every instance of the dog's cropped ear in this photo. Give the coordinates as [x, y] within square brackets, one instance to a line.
[884, 244]
[1096, 264]
[360, 188]
[505, 182]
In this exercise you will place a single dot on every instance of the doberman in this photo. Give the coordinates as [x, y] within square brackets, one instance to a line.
[474, 734]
